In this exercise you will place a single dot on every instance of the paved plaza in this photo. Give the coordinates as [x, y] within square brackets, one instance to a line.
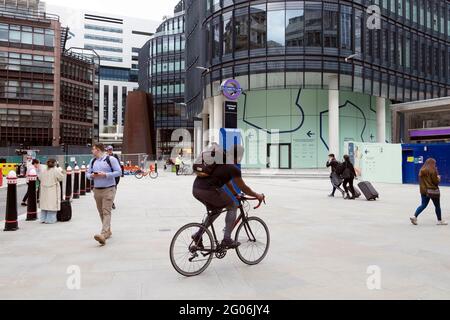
[321, 247]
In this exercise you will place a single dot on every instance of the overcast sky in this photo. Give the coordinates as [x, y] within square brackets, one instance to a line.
[147, 9]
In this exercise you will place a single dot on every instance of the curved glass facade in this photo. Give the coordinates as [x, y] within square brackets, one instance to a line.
[291, 56]
[282, 44]
[162, 73]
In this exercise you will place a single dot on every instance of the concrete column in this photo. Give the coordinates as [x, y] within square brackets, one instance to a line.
[333, 116]
[381, 120]
[210, 106]
[218, 117]
[205, 135]
[198, 138]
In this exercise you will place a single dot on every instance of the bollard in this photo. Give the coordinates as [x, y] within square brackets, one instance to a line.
[88, 183]
[69, 183]
[156, 166]
[83, 181]
[32, 195]
[76, 183]
[11, 223]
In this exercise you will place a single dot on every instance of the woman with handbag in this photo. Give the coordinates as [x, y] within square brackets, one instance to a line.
[429, 189]
[50, 192]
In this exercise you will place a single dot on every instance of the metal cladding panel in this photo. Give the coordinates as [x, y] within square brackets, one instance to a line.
[139, 132]
[415, 155]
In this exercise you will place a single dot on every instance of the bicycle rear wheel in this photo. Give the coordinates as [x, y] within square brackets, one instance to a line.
[139, 174]
[254, 237]
[187, 257]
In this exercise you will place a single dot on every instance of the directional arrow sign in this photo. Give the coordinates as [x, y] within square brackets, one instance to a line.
[310, 134]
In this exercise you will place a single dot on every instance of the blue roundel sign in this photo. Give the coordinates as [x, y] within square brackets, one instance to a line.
[231, 89]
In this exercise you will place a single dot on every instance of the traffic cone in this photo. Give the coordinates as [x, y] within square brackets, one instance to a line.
[88, 183]
[32, 195]
[76, 183]
[69, 184]
[11, 223]
[83, 181]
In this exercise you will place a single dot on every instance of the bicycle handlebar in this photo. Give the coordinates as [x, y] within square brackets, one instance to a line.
[243, 197]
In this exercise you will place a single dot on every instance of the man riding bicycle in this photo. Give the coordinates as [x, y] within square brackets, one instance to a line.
[209, 191]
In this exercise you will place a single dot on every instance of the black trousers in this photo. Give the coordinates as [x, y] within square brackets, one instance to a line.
[348, 186]
[25, 198]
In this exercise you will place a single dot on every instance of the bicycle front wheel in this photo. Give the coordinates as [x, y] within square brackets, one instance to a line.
[153, 175]
[254, 237]
[188, 257]
[139, 175]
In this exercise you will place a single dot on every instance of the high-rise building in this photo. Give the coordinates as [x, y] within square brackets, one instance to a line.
[313, 74]
[47, 95]
[162, 73]
[117, 40]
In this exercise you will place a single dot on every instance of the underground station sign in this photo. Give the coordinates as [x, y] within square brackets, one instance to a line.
[231, 89]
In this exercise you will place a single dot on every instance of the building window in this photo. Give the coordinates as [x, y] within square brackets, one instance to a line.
[105, 105]
[227, 33]
[295, 20]
[258, 27]
[313, 25]
[275, 29]
[330, 25]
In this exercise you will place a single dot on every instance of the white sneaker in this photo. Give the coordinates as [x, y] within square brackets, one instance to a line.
[414, 221]
[442, 223]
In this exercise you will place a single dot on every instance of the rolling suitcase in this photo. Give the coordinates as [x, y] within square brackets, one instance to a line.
[368, 190]
[65, 214]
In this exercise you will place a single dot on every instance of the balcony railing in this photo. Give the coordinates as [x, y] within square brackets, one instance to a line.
[26, 14]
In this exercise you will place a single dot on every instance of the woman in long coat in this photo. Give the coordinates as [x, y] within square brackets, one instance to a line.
[50, 202]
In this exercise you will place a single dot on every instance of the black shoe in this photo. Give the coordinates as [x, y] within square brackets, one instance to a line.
[230, 244]
[114, 206]
[24, 204]
[331, 195]
[198, 243]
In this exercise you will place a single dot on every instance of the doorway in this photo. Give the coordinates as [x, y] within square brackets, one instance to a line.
[279, 156]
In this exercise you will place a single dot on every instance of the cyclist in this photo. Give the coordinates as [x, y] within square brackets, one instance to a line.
[209, 191]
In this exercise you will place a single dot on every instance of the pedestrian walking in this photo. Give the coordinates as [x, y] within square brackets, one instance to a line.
[110, 151]
[178, 162]
[349, 175]
[103, 171]
[35, 163]
[336, 180]
[50, 178]
[429, 180]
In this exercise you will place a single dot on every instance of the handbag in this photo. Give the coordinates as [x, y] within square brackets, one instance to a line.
[433, 193]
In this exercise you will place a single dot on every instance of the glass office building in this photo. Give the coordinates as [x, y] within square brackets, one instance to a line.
[318, 72]
[162, 73]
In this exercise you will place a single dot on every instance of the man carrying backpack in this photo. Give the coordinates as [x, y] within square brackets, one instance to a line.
[110, 151]
[212, 176]
[103, 171]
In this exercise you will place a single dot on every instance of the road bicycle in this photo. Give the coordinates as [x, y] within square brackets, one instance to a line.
[190, 256]
[185, 170]
[139, 174]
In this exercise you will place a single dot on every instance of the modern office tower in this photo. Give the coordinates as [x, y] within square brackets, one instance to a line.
[36, 98]
[314, 74]
[117, 41]
[162, 65]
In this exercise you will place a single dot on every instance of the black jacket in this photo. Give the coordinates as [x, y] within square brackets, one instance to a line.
[333, 164]
[349, 170]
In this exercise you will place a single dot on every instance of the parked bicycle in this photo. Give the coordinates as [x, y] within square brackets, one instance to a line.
[185, 170]
[139, 174]
[192, 257]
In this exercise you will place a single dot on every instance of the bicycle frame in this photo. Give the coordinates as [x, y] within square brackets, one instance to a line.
[242, 217]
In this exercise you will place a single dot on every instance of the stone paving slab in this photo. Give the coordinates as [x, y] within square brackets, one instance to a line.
[321, 247]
